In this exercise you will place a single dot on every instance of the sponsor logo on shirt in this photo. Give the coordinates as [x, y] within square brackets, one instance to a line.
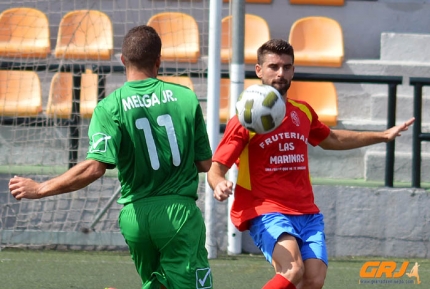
[203, 278]
[99, 142]
[295, 118]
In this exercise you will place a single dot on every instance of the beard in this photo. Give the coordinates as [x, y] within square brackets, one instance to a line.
[281, 86]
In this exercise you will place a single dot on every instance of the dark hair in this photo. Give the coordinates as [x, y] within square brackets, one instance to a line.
[141, 47]
[275, 46]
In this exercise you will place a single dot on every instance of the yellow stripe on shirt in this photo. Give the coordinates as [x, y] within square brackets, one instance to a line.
[302, 107]
[243, 178]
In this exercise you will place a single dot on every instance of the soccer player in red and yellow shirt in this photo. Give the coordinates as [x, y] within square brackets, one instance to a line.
[273, 194]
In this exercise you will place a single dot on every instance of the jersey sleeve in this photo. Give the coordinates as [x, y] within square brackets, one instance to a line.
[318, 131]
[232, 143]
[202, 146]
[104, 137]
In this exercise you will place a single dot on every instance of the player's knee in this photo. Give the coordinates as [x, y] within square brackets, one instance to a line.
[294, 273]
[315, 282]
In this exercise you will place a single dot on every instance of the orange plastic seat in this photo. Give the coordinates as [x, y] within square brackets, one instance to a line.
[322, 96]
[85, 35]
[60, 97]
[179, 34]
[224, 98]
[257, 32]
[24, 32]
[89, 93]
[319, 2]
[20, 93]
[182, 80]
[317, 41]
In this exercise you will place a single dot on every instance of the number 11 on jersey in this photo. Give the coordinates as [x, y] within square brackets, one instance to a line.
[164, 120]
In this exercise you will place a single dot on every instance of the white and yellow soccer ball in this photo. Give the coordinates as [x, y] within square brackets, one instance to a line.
[260, 108]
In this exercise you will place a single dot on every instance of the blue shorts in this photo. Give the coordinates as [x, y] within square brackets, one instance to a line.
[308, 230]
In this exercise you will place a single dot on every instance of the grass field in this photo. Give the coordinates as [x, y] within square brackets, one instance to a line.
[97, 270]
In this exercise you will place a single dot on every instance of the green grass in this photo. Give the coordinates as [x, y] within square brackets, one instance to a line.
[98, 270]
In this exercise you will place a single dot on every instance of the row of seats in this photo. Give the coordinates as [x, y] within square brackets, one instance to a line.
[21, 95]
[88, 35]
[82, 34]
[317, 41]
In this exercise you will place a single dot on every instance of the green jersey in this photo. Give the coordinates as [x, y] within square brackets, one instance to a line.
[153, 132]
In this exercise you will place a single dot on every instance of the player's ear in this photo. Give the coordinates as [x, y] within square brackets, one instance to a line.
[258, 70]
[158, 62]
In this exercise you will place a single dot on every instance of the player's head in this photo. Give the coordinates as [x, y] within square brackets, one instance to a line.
[275, 65]
[141, 48]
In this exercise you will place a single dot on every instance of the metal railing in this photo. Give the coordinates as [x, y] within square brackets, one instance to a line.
[417, 135]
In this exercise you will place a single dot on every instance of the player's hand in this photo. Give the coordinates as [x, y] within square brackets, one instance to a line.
[23, 188]
[395, 131]
[223, 190]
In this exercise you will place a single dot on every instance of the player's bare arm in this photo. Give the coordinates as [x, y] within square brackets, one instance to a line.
[203, 166]
[346, 139]
[74, 179]
[217, 181]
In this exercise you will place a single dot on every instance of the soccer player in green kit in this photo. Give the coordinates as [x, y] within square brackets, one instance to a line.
[154, 133]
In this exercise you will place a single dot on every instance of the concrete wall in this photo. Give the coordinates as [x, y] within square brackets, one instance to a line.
[372, 222]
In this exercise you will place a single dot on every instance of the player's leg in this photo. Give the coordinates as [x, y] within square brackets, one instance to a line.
[180, 235]
[274, 235]
[314, 252]
[287, 260]
[315, 273]
[132, 222]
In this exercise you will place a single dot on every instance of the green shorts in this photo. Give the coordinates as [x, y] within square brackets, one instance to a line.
[166, 238]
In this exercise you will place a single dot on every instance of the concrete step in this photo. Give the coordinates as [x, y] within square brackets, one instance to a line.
[364, 163]
[374, 166]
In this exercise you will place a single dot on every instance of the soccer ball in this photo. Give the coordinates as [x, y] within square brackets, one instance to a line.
[260, 108]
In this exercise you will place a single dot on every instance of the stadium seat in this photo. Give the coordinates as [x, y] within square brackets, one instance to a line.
[89, 93]
[322, 96]
[60, 97]
[224, 98]
[85, 35]
[179, 34]
[317, 41]
[182, 80]
[257, 32]
[24, 32]
[20, 93]
[319, 2]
